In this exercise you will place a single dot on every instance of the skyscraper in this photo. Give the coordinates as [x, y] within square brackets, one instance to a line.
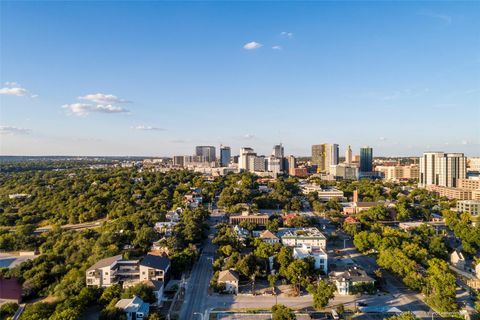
[331, 156]
[442, 169]
[278, 151]
[207, 152]
[348, 155]
[318, 156]
[225, 155]
[243, 161]
[324, 156]
[366, 159]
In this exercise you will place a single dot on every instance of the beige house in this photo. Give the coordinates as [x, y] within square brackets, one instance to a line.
[269, 237]
[230, 279]
[457, 259]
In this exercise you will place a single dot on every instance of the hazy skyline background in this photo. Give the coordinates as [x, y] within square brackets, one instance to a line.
[157, 78]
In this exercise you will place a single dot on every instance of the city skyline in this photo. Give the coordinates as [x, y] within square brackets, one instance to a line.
[105, 82]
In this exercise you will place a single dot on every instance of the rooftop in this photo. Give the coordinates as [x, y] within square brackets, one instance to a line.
[105, 262]
[156, 262]
[228, 275]
[304, 232]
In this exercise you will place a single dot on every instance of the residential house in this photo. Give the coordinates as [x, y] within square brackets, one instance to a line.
[165, 228]
[157, 288]
[134, 308]
[346, 280]
[230, 279]
[174, 216]
[269, 237]
[317, 253]
[242, 233]
[457, 259]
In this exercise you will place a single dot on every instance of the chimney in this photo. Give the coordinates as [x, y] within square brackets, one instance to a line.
[355, 196]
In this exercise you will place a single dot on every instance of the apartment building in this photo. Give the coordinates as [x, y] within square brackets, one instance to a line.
[470, 206]
[397, 173]
[311, 237]
[442, 169]
[317, 253]
[451, 193]
[115, 270]
[469, 184]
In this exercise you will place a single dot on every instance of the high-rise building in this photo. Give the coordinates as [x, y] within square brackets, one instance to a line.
[324, 155]
[348, 155]
[291, 164]
[442, 169]
[274, 165]
[366, 159]
[318, 156]
[256, 163]
[243, 161]
[278, 151]
[331, 156]
[178, 161]
[207, 152]
[225, 155]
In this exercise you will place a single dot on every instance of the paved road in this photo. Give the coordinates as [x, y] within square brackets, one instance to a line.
[197, 285]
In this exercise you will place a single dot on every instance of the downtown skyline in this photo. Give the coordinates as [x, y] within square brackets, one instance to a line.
[76, 79]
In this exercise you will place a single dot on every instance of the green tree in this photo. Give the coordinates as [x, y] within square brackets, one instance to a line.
[440, 286]
[281, 312]
[8, 309]
[322, 293]
[140, 290]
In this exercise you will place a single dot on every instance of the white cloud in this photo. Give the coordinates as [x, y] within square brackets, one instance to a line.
[12, 131]
[443, 17]
[147, 128]
[286, 34]
[83, 109]
[464, 142]
[249, 136]
[102, 98]
[14, 91]
[252, 45]
[382, 138]
[98, 103]
[277, 48]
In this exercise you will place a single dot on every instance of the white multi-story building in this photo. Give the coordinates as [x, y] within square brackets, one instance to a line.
[311, 237]
[331, 156]
[441, 169]
[320, 256]
[113, 270]
[470, 206]
[323, 194]
[243, 162]
[274, 165]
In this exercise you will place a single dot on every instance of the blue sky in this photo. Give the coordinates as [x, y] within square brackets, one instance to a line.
[158, 78]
